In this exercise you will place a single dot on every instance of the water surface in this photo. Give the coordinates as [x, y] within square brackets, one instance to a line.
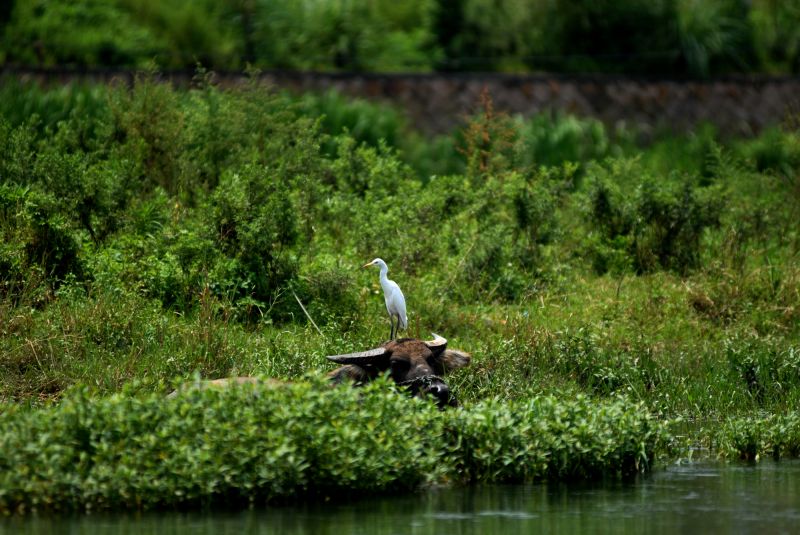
[695, 498]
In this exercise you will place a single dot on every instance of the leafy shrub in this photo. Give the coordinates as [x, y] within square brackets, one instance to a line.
[82, 106]
[364, 121]
[146, 128]
[675, 223]
[547, 438]
[500, 253]
[260, 442]
[489, 139]
[578, 355]
[187, 33]
[776, 150]
[358, 36]
[328, 290]
[38, 244]
[659, 226]
[255, 225]
[480, 35]
[752, 438]
[554, 140]
[18, 150]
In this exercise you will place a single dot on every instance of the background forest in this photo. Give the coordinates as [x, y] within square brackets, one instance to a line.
[694, 38]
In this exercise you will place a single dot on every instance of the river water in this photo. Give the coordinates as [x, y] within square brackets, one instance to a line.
[693, 498]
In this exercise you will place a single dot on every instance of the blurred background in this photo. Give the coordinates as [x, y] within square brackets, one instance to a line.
[693, 38]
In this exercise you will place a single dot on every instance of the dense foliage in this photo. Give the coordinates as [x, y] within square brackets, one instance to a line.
[751, 438]
[149, 234]
[266, 442]
[683, 37]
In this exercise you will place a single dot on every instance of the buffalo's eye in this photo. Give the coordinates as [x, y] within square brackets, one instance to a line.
[398, 365]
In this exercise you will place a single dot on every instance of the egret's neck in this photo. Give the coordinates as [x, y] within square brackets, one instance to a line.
[384, 271]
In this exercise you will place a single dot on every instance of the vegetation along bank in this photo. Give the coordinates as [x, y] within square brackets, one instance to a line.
[612, 294]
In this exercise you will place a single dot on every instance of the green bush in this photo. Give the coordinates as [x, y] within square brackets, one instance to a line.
[547, 438]
[353, 36]
[83, 107]
[261, 442]
[479, 35]
[328, 290]
[659, 226]
[146, 129]
[754, 438]
[364, 121]
[776, 150]
[255, 225]
[555, 140]
[38, 244]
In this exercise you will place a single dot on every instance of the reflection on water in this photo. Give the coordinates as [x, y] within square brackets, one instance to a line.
[698, 498]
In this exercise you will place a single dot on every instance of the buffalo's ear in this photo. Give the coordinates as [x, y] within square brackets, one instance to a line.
[453, 359]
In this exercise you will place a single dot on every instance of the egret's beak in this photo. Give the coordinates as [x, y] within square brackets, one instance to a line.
[367, 264]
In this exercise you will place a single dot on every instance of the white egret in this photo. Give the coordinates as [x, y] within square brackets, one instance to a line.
[395, 301]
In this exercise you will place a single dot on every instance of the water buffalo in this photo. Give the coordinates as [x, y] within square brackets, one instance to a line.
[417, 365]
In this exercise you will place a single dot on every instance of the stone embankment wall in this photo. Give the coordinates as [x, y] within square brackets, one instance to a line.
[436, 103]
[439, 102]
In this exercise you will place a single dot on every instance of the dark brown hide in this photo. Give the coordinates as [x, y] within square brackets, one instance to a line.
[415, 364]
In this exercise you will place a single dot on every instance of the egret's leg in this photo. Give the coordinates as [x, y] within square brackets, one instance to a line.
[391, 321]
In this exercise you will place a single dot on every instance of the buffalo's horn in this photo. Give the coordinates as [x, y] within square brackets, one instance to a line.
[360, 358]
[437, 344]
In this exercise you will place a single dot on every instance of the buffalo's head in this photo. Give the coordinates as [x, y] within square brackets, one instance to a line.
[415, 364]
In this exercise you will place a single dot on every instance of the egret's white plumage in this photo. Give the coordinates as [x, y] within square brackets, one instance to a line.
[395, 300]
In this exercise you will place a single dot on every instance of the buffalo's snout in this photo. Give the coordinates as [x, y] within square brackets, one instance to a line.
[441, 392]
